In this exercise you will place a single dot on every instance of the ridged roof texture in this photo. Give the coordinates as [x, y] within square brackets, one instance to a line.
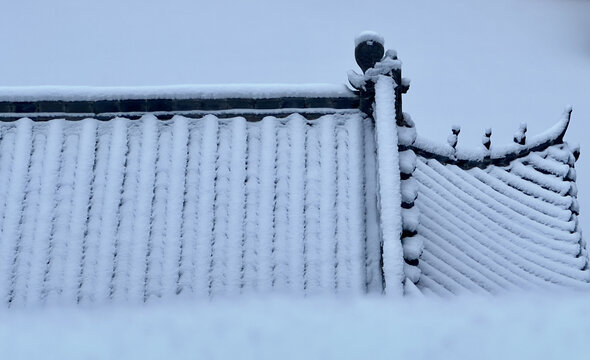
[500, 227]
[327, 191]
[133, 210]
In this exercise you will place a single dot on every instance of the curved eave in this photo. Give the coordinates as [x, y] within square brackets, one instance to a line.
[497, 155]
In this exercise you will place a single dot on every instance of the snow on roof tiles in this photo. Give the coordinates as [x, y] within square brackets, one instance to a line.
[496, 154]
[207, 191]
[501, 227]
[134, 210]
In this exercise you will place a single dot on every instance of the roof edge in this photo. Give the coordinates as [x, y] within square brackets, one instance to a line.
[175, 92]
[496, 155]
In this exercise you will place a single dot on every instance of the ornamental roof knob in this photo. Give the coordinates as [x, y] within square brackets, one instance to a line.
[368, 49]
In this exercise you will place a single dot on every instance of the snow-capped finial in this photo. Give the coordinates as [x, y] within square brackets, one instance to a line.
[486, 138]
[454, 137]
[368, 49]
[520, 136]
[576, 151]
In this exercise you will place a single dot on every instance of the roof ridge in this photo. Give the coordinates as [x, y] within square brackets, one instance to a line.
[496, 154]
[182, 91]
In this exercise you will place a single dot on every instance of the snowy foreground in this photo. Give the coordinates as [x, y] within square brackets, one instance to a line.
[532, 326]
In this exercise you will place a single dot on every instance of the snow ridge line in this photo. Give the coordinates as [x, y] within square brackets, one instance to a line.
[497, 155]
[388, 183]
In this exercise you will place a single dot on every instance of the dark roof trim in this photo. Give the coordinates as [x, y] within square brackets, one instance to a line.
[102, 109]
[497, 155]
[249, 115]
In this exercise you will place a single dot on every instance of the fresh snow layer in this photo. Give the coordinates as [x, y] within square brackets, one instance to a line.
[532, 326]
[132, 211]
[500, 228]
[388, 185]
[496, 151]
[368, 36]
[252, 91]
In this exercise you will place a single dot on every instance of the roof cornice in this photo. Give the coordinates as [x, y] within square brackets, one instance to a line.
[500, 155]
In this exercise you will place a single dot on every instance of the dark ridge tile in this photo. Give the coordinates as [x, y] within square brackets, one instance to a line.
[106, 106]
[133, 105]
[215, 104]
[78, 107]
[51, 106]
[269, 103]
[318, 103]
[161, 105]
[25, 107]
[241, 103]
[6, 107]
[189, 104]
[294, 103]
[346, 103]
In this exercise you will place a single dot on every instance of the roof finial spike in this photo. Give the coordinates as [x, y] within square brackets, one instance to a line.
[454, 137]
[520, 135]
[369, 49]
[486, 138]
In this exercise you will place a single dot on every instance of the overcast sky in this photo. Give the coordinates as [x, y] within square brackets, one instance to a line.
[474, 63]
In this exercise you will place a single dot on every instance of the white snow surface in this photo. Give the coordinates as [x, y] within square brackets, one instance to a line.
[132, 211]
[496, 151]
[388, 185]
[533, 326]
[500, 228]
[368, 35]
[216, 91]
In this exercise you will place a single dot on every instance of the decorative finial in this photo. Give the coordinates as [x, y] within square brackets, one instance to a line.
[576, 151]
[520, 136]
[486, 138]
[369, 49]
[454, 137]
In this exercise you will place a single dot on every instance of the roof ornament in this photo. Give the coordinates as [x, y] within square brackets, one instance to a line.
[486, 138]
[576, 151]
[520, 136]
[454, 137]
[374, 61]
[368, 49]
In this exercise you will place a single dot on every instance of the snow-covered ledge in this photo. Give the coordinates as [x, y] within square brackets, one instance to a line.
[496, 154]
[388, 183]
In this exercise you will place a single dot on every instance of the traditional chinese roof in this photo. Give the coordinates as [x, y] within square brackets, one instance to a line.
[138, 193]
[501, 221]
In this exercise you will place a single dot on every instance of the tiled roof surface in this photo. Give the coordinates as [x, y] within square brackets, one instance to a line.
[134, 210]
[135, 194]
[500, 227]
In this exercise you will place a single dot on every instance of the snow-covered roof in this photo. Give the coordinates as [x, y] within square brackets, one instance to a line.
[500, 227]
[134, 210]
[228, 91]
[250, 101]
[493, 153]
[139, 193]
